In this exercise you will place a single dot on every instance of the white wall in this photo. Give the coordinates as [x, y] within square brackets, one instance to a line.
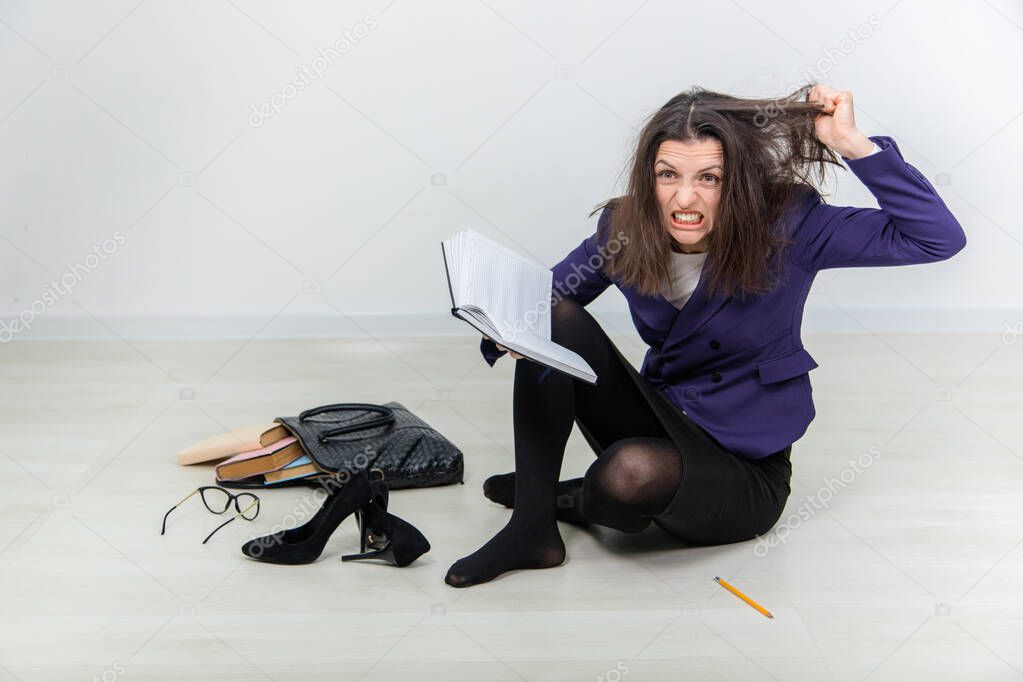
[134, 122]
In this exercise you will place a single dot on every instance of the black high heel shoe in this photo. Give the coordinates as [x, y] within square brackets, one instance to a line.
[305, 543]
[385, 536]
[380, 498]
[381, 492]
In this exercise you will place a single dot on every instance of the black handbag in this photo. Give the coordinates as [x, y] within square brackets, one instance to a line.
[349, 437]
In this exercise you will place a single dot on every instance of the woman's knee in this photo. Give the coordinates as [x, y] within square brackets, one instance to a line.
[629, 472]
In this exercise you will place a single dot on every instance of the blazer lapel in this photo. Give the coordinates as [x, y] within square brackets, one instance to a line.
[667, 325]
[696, 312]
[656, 313]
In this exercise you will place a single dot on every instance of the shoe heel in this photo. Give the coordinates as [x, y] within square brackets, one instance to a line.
[399, 555]
[386, 553]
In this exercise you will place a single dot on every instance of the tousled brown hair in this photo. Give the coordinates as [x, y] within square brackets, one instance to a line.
[770, 148]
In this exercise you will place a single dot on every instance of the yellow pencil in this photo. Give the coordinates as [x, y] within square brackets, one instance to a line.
[743, 597]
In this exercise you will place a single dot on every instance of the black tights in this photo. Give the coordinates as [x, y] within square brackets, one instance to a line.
[634, 478]
[629, 484]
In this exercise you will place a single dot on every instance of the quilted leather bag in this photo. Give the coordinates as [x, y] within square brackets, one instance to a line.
[348, 437]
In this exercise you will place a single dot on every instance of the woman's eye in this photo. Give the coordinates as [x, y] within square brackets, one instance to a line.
[711, 178]
[664, 174]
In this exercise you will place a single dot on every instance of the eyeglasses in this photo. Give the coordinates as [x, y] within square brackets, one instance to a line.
[217, 500]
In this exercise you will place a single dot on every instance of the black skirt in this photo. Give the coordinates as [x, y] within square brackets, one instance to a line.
[723, 497]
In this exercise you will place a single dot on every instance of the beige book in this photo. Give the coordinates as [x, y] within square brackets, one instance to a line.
[223, 445]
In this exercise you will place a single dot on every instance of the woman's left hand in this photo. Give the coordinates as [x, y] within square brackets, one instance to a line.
[836, 126]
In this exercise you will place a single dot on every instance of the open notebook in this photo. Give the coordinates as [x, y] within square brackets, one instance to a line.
[508, 298]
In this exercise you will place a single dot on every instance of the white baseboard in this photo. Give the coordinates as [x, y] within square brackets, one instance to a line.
[846, 321]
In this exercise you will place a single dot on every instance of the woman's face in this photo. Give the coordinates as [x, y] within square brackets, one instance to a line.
[689, 177]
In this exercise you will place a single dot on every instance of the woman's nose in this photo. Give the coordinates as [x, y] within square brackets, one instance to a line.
[684, 194]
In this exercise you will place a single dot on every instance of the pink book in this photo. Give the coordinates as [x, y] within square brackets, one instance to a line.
[261, 460]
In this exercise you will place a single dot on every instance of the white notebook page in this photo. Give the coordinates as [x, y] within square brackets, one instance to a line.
[508, 287]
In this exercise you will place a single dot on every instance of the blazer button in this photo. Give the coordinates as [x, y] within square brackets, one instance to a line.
[715, 344]
[716, 377]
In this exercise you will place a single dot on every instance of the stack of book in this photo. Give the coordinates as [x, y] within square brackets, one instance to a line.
[248, 461]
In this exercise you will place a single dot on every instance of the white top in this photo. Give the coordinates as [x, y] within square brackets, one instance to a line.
[685, 274]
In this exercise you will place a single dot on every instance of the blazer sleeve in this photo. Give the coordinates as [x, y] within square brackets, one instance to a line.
[490, 351]
[912, 226]
[578, 276]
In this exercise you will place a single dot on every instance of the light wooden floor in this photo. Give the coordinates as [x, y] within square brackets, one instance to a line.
[912, 571]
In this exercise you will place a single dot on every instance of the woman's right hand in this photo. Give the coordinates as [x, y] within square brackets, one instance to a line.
[500, 347]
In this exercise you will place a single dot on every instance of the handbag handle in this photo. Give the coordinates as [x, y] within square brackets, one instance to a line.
[385, 418]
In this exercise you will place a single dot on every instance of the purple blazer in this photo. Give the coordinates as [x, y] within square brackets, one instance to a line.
[738, 368]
